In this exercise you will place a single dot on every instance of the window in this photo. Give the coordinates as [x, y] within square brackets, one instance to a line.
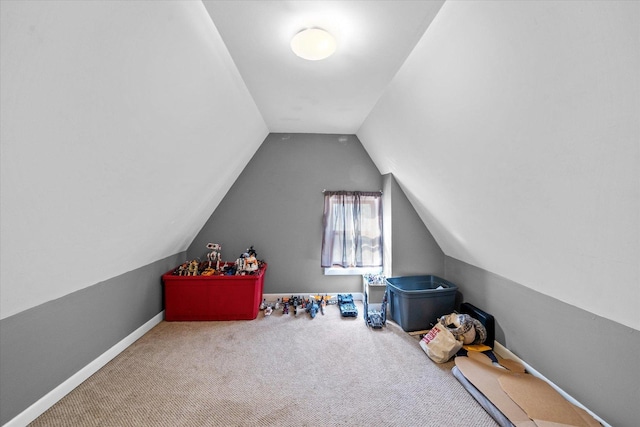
[352, 227]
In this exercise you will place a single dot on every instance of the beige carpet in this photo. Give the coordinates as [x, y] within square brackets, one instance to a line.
[279, 370]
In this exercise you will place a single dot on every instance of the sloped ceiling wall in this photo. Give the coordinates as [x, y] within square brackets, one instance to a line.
[123, 126]
[513, 128]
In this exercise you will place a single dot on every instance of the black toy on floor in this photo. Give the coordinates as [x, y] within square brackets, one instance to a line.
[347, 307]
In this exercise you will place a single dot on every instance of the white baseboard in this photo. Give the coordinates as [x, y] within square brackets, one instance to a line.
[50, 399]
[505, 353]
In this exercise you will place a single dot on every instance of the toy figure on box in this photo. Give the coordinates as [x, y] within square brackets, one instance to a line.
[214, 255]
[209, 271]
[182, 269]
[247, 263]
[192, 270]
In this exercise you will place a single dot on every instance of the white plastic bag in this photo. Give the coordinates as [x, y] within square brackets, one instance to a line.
[465, 328]
[461, 326]
[440, 344]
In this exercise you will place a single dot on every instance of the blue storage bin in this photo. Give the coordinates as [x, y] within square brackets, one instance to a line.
[416, 302]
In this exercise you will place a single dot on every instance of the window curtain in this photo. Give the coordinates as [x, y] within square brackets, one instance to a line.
[352, 223]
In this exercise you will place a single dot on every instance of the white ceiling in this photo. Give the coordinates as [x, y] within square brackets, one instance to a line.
[330, 96]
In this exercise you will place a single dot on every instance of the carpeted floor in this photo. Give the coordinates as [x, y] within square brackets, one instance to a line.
[279, 370]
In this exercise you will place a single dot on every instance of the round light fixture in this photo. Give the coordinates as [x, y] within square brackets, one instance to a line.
[313, 44]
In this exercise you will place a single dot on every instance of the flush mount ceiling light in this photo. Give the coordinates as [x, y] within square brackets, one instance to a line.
[313, 44]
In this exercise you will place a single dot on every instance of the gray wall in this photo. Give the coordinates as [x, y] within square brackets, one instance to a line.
[45, 345]
[593, 359]
[414, 250]
[276, 205]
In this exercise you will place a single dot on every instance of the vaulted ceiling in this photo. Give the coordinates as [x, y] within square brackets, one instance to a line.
[511, 126]
[334, 95]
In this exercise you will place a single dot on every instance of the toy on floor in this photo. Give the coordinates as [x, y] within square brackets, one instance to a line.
[323, 303]
[329, 300]
[312, 307]
[347, 307]
[300, 305]
[374, 318]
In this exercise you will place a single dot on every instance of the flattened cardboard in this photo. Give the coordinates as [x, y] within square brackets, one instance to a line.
[480, 357]
[508, 364]
[485, 378]
[541, 402]
[542, 423]
[589, 420]
[512, 365]
[524, 398]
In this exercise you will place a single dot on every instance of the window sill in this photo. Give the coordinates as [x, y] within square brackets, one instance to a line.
[354, 271]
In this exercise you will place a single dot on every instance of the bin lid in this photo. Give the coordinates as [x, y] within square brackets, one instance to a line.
[420, 283]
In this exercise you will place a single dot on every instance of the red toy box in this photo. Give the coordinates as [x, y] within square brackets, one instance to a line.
[212, 297]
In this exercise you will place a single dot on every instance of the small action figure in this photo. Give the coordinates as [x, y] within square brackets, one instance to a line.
[313, 307]
[214, 255]
[182, 269]
[247, 262]
[192, 270]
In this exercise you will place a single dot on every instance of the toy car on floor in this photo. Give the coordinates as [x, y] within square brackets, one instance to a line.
[347, 307]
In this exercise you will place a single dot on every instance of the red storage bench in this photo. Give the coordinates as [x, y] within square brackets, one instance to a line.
[213, 297]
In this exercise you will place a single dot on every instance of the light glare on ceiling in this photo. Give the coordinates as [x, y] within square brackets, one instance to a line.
[313, 44]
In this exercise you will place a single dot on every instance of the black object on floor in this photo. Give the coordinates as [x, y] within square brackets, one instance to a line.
[485, 318]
